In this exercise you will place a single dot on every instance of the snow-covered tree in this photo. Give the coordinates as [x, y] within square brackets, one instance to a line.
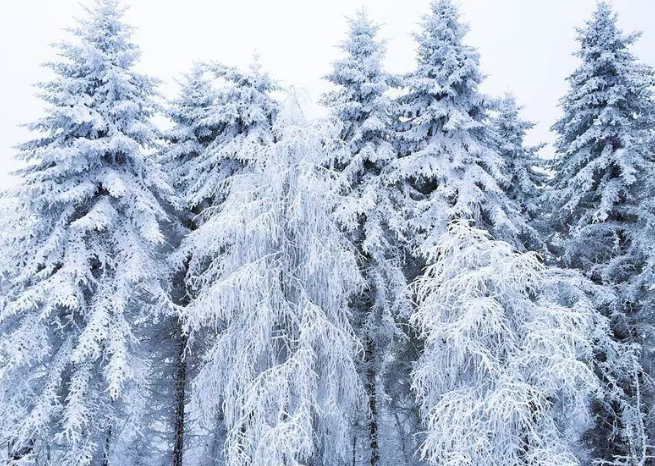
[602, 160]
[524, 169]
[241, 116]
[274, 277]
[448, 165]
[82, 258]
[220, 116]
[600, 199]
[507, 354]
[359, 101]
[195, 126]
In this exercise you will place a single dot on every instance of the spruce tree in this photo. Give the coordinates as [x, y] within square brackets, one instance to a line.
[220, 117]
[360, 102]
[451, 168]
[83, 258]
[274, 275]
[524, 170]
[600, 200]
[602, 162]
[239, 122]
[194, 126]
[448, 166]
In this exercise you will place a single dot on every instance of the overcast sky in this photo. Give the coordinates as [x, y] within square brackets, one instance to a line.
[525, 45]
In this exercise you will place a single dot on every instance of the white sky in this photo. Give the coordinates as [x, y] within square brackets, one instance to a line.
[525, 45]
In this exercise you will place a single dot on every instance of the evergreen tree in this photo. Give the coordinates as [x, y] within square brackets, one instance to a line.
[602, 163]
[82, 259]
[524, 174]
[195, 126]
[600, 199]
[506, 361]
[220, 116]
[274, 275]
[449, 167]
[359, 101]
[240, 119]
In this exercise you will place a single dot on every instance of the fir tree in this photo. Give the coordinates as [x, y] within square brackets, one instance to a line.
[83, 258]
[274, 275]
[221, 117]
[359, 101]
[237, 123]
[524, 169]
[195, 127]
[600, 199]
[602, 164]
[449, 167]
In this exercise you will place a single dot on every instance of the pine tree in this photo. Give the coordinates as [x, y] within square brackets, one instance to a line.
[83, 258]
[600, 208]
[449, 167]
[359, 101]
[525, 176]
[274, 276]
[506, 360]
[601, 163]
[195, 127]
[237, 123]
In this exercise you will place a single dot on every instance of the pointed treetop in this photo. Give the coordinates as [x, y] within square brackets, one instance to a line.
[361, 34]
[601, 34]
[608, 91]
[446, 65]
[359, 72]
[509, 122]
[105, 29]
[256, 63]
[442, 27]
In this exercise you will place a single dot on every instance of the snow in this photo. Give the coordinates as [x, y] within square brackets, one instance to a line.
[400, 281]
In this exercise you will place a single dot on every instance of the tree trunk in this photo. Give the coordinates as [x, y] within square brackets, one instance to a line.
[105, 453]
[180, 401]
[371, 377]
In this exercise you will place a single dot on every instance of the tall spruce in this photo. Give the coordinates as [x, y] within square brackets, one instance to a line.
[274, 275]
[359, 101]
[83, 259]
[189, 137]
[194, 126]
[220, 116]
[525, 176]
[451, 169]
[240, 119]
[600, 201]
[449, 166]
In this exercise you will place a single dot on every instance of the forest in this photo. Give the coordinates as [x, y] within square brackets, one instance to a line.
[403, 281]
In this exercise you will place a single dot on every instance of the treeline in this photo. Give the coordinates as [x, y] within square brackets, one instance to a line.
[403, 282]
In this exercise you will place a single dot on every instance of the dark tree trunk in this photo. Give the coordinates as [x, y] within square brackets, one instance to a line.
[371, 377]
[180, 401]
[105, 453]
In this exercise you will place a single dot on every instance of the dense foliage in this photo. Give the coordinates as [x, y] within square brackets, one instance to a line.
[403, 281]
